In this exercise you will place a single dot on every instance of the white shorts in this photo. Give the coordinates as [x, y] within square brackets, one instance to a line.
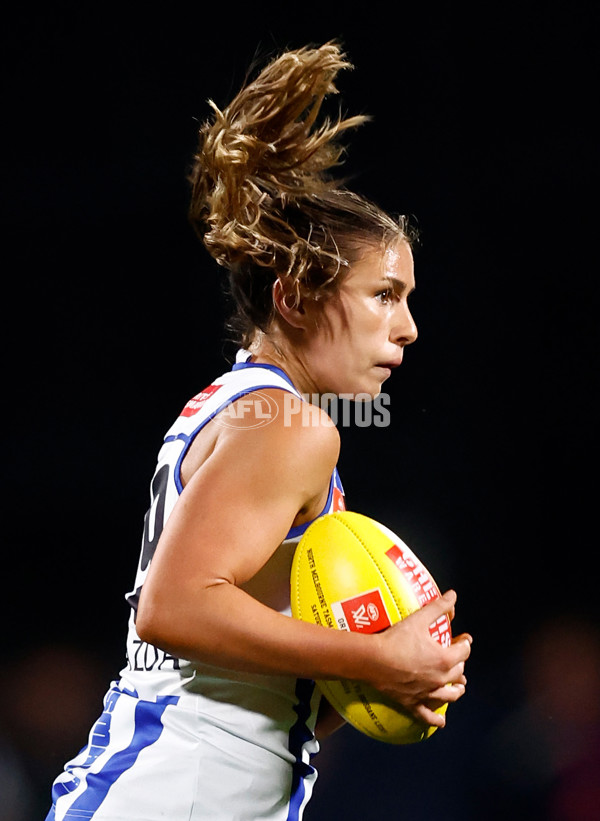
[151, 760]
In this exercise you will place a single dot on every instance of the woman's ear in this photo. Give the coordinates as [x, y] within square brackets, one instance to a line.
[289, 305]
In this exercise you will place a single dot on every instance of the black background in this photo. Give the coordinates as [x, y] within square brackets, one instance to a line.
[483, 131]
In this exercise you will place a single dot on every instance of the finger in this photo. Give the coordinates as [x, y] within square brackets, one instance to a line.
[456, 674]
[463, 637]
[424, 713]
[461, 648]
[450, 692]
[449, 599]
[455, 657]
[442, 606]
[460, 679]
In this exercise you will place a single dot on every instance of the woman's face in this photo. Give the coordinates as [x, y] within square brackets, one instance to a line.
[357, 337]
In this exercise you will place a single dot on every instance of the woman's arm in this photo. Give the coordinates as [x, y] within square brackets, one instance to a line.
[232, 515]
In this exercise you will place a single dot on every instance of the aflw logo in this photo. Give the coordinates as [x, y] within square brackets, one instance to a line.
[364, 616]
[364, 613]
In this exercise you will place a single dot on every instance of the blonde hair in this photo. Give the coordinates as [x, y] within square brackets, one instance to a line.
[264, 200]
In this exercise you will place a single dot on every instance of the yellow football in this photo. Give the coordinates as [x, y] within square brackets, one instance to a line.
[352, 573]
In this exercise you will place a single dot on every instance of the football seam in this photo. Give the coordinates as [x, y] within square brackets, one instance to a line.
[373, 559]
[298, 554]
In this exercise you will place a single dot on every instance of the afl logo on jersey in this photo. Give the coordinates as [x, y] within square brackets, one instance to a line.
[255, 409]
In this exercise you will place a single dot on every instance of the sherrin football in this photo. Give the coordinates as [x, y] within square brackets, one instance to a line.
[350, 572]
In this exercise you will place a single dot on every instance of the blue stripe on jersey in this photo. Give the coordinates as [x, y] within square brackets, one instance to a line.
[299, 736]
[147, 729]
[188, 438]
[240, 365]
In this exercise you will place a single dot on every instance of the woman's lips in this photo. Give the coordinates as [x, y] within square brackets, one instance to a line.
[389, 366]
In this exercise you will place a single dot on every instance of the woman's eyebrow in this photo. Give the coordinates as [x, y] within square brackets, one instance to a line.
[397, 285]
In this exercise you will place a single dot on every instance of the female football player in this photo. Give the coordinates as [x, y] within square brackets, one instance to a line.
[216, 714]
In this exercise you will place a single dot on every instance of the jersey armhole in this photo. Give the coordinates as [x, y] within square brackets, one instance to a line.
[334, 482]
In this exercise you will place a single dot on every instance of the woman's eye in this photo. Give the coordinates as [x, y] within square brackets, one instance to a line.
[384, 296]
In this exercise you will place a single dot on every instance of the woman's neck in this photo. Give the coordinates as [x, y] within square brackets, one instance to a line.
[276, 349]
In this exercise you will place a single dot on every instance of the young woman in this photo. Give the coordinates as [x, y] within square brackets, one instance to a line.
[216, 715]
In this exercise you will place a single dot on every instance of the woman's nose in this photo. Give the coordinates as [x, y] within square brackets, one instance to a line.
[405, 330]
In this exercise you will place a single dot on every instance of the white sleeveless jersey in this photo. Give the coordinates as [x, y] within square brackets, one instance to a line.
[184, 741]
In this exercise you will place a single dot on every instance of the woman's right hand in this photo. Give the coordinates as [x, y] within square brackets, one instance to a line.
[417, 671]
